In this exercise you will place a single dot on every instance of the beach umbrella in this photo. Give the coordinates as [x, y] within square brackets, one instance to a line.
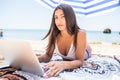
[84, 7]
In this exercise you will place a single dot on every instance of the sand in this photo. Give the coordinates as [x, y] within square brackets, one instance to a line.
[102, 48]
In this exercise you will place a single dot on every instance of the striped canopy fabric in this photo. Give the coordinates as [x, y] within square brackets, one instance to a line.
[84, 7]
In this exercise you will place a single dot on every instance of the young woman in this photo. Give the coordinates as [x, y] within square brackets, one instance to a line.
[67, 40]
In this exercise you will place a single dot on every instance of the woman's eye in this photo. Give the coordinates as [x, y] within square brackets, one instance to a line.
[62, 16]
[56, 17]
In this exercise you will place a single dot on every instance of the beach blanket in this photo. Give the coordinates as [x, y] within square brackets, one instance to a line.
[95, 68]
[98, 67]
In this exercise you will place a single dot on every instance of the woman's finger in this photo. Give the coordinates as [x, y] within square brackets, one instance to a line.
[48, 65]
[52, 72]
[57, 73]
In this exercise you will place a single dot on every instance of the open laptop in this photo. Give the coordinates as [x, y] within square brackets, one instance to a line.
[19, 55]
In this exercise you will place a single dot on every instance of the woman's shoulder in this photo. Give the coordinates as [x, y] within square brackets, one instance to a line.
[81, 32]
[81, 35]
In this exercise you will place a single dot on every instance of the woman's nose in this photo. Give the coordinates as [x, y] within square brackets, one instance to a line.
[59, 20]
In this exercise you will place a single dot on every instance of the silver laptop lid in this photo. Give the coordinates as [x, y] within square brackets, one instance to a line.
[19, 55]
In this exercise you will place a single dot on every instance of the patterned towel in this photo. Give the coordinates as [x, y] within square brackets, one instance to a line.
[95, 68]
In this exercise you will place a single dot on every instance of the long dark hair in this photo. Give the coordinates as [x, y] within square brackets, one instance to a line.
[71, 24]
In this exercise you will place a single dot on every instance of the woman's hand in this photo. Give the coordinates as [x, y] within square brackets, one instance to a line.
[54, 68]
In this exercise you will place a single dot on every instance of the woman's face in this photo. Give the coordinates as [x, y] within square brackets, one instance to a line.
[60, 20]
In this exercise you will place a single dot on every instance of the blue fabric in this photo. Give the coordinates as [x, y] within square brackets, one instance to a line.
[88, 54]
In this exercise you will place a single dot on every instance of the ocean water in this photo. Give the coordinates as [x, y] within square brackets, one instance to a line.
[27, 34]
[38, 34]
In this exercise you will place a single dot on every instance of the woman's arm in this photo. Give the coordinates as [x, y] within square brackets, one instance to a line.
[55, 67]
[44, 58]
[79, 52]
[81, 46]
[47, 56]
[71, 64]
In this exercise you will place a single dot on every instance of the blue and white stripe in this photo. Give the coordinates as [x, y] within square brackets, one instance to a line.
[84, 7]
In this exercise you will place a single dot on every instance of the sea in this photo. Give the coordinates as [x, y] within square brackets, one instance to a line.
[38, 34]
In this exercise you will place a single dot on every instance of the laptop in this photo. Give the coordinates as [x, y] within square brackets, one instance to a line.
[19, 55]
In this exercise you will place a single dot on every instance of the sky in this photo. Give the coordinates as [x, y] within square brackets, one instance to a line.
[28, 14]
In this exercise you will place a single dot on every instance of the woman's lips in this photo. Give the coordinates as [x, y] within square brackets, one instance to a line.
[60, 25]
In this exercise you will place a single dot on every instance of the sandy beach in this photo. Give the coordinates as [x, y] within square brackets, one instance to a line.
[97, 48]
[108, 49]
